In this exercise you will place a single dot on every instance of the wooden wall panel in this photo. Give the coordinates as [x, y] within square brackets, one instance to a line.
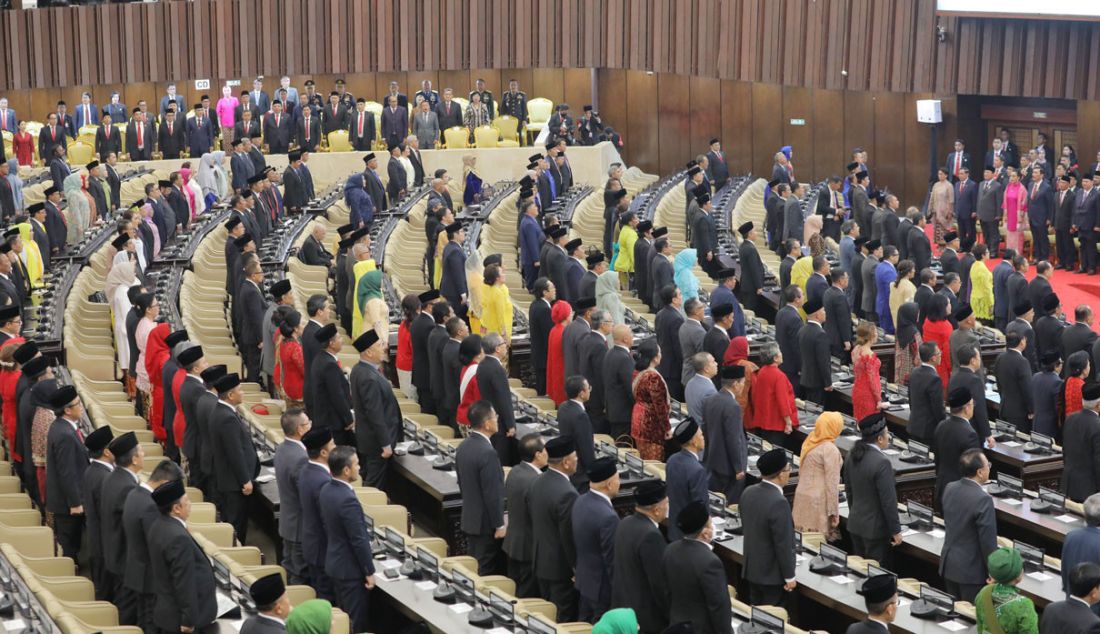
[830, 154]
[706, 113]
[674, 116]
[798, 104]
[767, 126]
[888, 149]
[737, 122]
[641, 119]
[577, 89]
[611, 100]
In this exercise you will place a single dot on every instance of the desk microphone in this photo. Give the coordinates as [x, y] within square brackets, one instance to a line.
[1040, 506]
[444, 592]
[480, 617]
[923, 609]
[415, 449]
[820, 565]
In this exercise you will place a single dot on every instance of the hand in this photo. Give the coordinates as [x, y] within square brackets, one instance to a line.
[369, 582]
[76, 510]
[759, 291]
[187, 630]
[787, 429]
[247, 488]
[896, 540]
[883, 405]
[387, 452]
[511, 433]
[834, 521]
[740, 475]
[829, 388]
[990, 442]
[668, 434]
[790, 585]
[499, 533]
[847, 345]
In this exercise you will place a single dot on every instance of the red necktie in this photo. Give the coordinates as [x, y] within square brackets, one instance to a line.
[169, 128]
[53, 133]
[961, 187]
[79, 434]
[140, 129]
[4, 119]
[958, 162]
[107, 131]
[307, 128]
[1034, 191]
[360, 124]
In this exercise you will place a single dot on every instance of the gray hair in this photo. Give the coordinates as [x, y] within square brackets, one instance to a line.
[411, 136]
[612, 168]
[597, 318]
[699, 361]
[769, 353]
[1092, 509]
[490, 342]
[1090, 404]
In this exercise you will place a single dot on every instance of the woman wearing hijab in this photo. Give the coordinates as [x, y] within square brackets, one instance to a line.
[999, 606]
[31, 255]
[78, 209]
[937, 328]
[370, 308]
[119, 281]
[290, 365]
[471, 190]
[907, 342]
[738, 354]
[867, 389]
[212, 179]
[817, 497]
[608, 298]
[16, 184]
[475, 285]
[360, 206]
[617, 621]
[496, 301]
[192, 190]
[684, 275]
[310, 617]
[649, 424]
[561, 313]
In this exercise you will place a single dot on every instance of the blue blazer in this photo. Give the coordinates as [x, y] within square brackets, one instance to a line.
[687, 480]
[1040, 208]
[594, 526]
[79, 115]
[530, 238]
[966, 201]
[311, 480]
[348, 555]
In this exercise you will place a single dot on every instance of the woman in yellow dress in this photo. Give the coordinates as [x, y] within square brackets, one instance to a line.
[981, 285]
[440, 243]
[363, 264]
[32, 255]
[496, 304]
[475, 274]
[624, 261]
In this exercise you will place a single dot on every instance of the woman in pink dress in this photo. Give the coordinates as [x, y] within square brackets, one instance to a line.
[227, 109]
[1015, 208]
[867, 390]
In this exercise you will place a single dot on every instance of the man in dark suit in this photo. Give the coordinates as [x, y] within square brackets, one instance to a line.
[107, 139]
[704, 235]
[171, 137]
[201, 132]
[482, 484]
[1079, 336]
[1013, 373]
[332, 402]
[312, 479]
[957, 160]
[574, 421]
[752, 269]
[419, 332]
[397, 183]
[295, 188]
[819, 281]
[1025, 313]
[838, 314]
[373, 182]
[717, 170]
[880, 592]
[349, 561]
[554, 554]
[660, 271]
[191, 391]
[67, 459]
[239, 163]
[861, 203]
[1065, 204]
[926, 408]
[183, 578]
[727, 457]
[1040, 212]
[1075, 614]
[313, 251]
[540, 325]
[639, 573]
[685, 475]
[953, 437]
[591, 351]
[245, 108]
[867, 277]
[594, 524]
[139, 514]
[788, 323]
[871, 490]
[813, 349]
[448, 111]
[1085, 214]
[272, 606]
[1039, 287]
[793, 250]
[1081, 438]
[335, 116]
[395, 122]
[966, 208]
[920, 249]
[59, 167]
[925, 294]
[717, 339]
[252, 309]
[361, 128]
[129, 460]
[492, 380]
[290, 459]
[768, 528]
[308, 130]
[235, 461]
[970, 526]
[377, 415]
[518, 542]
[616, 381]
[1082, 544]
[989, 210]
[277, 130]
[317, 307]
[52, 135]
[451, 359]
[690, 566]
[452, 282]
[101, 466]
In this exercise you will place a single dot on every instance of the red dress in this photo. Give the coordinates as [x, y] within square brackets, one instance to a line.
[555, 361]
[404, 359]
[772, 399]
[1073, 394]
[649, 419]
[290, 372]
[156, 353]
[179, 423]
[9, 379]
[470, 393]
[867, 390]
[22, 146]
[940, 332]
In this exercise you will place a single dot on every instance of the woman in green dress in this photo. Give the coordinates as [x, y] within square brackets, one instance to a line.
[1000, 607]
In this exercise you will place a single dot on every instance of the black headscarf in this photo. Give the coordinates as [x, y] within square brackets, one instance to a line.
[907, 324]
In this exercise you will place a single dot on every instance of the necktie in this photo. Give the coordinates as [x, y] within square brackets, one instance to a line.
[53, 132]
[87, 115]
[360, 124]
[169, 128]
[79, 434]
[958, 162]
[1061, 198]
[4, 119]
[307, 135]
[107, 131]
[1034, 191]
[276, 121]
[141, 137]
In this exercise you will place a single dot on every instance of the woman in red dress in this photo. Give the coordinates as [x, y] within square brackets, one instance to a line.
[22, 145]
[649, 424]
[738, 354]
[410, 306]
[867, 390]
[775, 413]
[470, 355]
[937, 329]
[156, 353]
[290, 368]
[1077, 368]
[561, 313]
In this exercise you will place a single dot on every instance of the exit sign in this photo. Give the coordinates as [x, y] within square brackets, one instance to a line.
[798, 122]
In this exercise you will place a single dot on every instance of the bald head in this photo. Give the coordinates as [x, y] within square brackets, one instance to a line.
[622, 335]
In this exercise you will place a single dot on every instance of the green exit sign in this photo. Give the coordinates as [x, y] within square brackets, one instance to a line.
[798, 122]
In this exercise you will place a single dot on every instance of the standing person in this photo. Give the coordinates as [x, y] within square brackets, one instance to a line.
[139, 515]
[183, 578]
[774, 413]
[482, 483]
[838, 314]
[1014, 205]
[1013, 373]
[1040, 212]
[752, 269]
[649, 422]
[769, 564]
[541, 323]
[349, 561]
[101, 466]
[871, 490]
[867, 390]
[727, 457]
[332, 401]
[696, 576]
[618, 375]
[290, 459]
[377, 415]
[594, 524]
[561, 313]
[954, 437]
[926, 389]
[235, 461]
[942, 203]
[1046, 388]
[66, 462]
[124, 573]
[937, 329]
[966, 208]
[816, 505]
[685, 475]
[492, 381]
[907, 341]
[315, 475]
[639, 559]
[1081, 437]
[813, 348]
[552, 520]
[970, 527]
[518, 542]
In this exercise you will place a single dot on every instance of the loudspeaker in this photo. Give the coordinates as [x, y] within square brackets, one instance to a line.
[929, 111]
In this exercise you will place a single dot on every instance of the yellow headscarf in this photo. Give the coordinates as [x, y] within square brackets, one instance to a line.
[826, 429]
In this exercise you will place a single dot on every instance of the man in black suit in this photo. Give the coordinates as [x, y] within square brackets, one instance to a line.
[1065, 203]
[448, 111]
[452, 281]
[949, 258]
[957, 160]
[871, 490]
[332, 401]
[361, 128]
[251, 311]
[52, 135]
[768, 528]
[317, 307]
[925, 293]
[926, 408]
[718, 172]
[717, 339]
[813, 349]
[969, 375]
[377, 415]
[574, 422]
[192, 361]
[129, 461]
[335, 116]
[66, 461]
[788, 323]
[691, 566]
[107, 138]
[1040, 211]
[518, 542]
[139, 514]
[437, 339]
[966, 208]
[482, 484]
[1016, 286]
[594, 524]
[1081, 438]
[201, 132]
[419, 332]
[278, 129]
[919, 248]
[451, 359]
[183, 578]
[555, 262]
[395, 122]
[313, 251]
[1075, 614]
[290, 458]
[838, 314]
[793, 250]
[349, 561]
[592, 350]
[171, 138]
[704, 235]
[970, 527]
[819, 280]
[492, 380]
[727, 456]
[373, 183]
[295, 188]
[247, 126]
[1025, 313]
[554, 554]
[538, 316]
[880, 593]
[660, 272]
[308, 131]
[272, 606]
[867, 279]
[1085, 214]
[752, 269]
[101, 466]
[246, 108]
[667, 325]
[953, 437]
[617, 378]
[1013, 374]
[1049, 327]
[639, 573]
[311, 480]
[235, 462]
[1079, 336]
